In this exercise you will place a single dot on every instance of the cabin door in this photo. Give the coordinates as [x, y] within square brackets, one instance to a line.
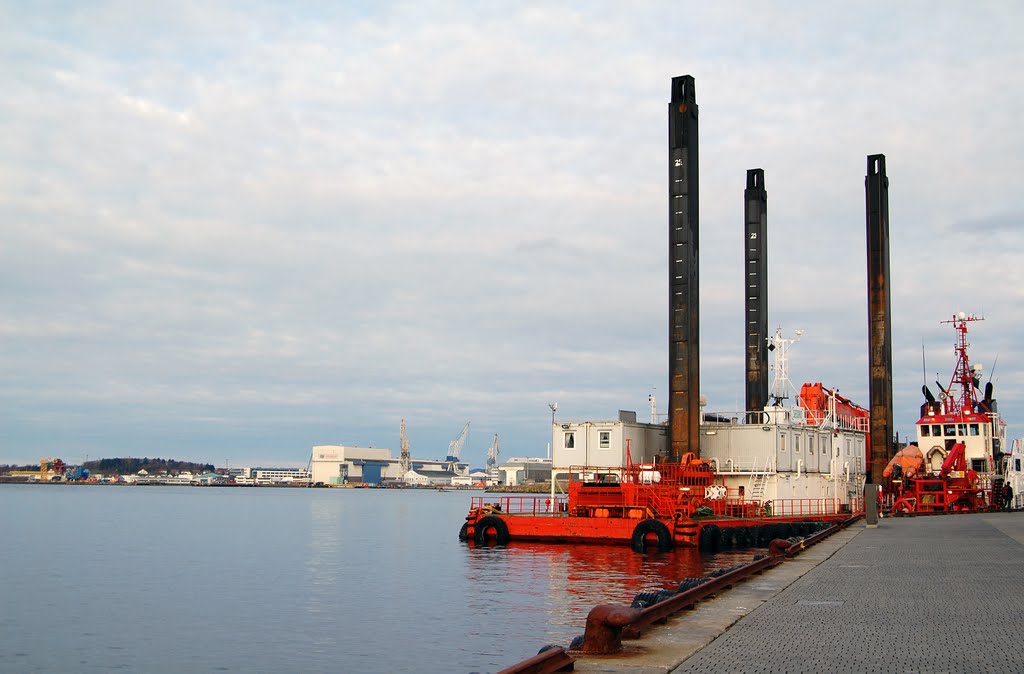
[784, 453]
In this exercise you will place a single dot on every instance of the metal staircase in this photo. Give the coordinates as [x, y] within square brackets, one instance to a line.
[759, 482]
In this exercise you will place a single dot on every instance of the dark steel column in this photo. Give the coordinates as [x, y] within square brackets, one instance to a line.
[876, 187]
[684, 314]
[755, 252]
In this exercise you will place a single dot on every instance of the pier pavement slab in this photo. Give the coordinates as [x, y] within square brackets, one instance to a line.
[915, 594]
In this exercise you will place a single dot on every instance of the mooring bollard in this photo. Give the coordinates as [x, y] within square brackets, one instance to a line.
[603, 634]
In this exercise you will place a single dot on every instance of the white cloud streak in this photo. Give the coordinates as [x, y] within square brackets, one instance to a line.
[241, 229]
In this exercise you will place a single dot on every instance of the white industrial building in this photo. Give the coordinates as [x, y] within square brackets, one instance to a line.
[519, 471]
[266, 476]
[339, 464]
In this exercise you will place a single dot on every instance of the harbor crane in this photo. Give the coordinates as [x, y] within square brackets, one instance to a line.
[492, 461]
[492, 453]
[454, 447]
[403, 443]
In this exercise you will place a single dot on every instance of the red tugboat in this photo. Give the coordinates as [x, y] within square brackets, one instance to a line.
[960, 438]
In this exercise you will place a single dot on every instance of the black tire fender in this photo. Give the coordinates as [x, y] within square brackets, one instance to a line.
[485, 524]
[647, 527]
[710, 538]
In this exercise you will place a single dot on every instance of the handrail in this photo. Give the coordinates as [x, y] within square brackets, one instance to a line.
[729, 506]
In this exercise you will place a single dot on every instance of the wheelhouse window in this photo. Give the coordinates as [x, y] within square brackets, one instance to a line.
[605, 439]
[949, 430]
[961, 429]
[936, 430]
[926, 430]
[973, 429]
[570, 440]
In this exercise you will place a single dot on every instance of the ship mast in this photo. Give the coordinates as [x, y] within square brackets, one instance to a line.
[779, 346]
[959, 397]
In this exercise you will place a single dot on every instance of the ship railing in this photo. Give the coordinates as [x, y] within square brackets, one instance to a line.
[664, 474]
[592, 474]
[522, 505]
[806, 507]
[741, 465]
[736, 505]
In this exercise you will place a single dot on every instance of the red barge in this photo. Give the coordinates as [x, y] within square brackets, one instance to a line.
[777, 472]
[649, 505]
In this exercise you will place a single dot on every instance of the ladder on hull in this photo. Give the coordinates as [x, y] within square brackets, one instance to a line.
[759, 482]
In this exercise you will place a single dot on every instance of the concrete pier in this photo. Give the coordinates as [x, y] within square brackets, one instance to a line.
[922, 594]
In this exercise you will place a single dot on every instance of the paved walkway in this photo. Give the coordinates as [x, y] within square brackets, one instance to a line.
[923, 594]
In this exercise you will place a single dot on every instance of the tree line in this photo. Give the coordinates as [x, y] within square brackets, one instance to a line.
[127, 466]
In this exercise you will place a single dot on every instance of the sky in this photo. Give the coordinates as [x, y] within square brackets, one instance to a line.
[232, 231]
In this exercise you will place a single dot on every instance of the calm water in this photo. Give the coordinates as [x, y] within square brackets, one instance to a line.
[211, 579]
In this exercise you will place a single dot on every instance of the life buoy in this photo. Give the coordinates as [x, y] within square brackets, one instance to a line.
[485, 524]
[648, 527]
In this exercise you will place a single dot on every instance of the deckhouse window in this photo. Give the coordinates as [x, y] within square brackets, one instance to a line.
[782, 443]
[974, 429]
[926, 431]
[961, 429]
[949, 430]
[570, 440]
[936, 430]
[605, 438]
[796, 444]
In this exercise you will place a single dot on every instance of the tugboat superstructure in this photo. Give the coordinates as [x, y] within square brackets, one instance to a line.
[960, 415]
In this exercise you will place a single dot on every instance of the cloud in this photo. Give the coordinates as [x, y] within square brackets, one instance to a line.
[244, 242]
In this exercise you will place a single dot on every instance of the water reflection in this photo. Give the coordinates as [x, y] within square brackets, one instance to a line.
[323, 571]
[291, 580]
[565, 581]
